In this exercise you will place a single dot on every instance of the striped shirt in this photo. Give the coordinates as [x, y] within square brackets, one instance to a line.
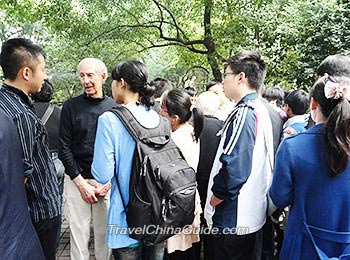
[42, 187]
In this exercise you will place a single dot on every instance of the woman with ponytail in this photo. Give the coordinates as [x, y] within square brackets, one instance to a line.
[113, 155]
[312, 174]
[176, 106]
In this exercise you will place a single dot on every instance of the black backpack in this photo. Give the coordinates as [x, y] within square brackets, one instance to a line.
[162, 184]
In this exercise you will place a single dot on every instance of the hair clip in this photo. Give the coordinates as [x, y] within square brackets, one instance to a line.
[335, 90]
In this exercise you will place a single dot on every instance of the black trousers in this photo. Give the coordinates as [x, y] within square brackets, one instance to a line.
[47, 231]
[188, 254]
[231, 247]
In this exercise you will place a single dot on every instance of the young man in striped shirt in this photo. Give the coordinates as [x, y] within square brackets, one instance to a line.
[23, 66]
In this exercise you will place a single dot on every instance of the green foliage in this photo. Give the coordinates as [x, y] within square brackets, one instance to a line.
[173, 36]
[304, 34]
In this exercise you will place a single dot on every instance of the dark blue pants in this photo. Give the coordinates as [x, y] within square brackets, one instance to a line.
[232, 247]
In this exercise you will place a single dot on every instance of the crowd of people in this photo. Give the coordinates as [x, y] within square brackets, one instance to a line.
[271, 166]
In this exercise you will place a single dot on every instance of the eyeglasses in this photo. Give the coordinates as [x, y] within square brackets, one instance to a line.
[225, 74]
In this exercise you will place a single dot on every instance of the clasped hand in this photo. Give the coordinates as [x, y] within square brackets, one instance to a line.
[90, 189]
[100, 189]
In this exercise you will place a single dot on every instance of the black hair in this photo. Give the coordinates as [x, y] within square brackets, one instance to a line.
[190, 91]
[161, 85]
[298, 101]
[178, 103]
[135, 75]
[45, 94]
[211, 83]
[17, 53]
[274, 93]
[287, 92]
[252, 64]
[337, 127]
[335, 65]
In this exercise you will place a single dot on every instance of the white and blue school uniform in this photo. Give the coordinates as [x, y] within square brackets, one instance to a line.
[242, 170]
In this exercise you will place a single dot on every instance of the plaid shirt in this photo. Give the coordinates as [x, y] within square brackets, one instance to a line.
[42, 187]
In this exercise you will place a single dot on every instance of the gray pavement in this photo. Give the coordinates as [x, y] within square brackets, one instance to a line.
[63, 252]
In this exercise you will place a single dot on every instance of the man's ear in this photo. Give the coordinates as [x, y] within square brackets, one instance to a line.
[104, 77]
[24, 73]
[242, 77]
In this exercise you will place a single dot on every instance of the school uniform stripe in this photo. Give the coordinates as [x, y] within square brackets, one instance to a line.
[237, 129]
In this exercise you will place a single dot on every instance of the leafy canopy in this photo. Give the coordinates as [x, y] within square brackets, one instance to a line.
[172, 37]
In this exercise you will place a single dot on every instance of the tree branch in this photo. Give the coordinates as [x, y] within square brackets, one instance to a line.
[180, 40]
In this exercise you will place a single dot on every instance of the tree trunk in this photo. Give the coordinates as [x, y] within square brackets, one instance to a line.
[209, 42]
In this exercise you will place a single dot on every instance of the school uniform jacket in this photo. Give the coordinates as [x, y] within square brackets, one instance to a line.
[242, 169]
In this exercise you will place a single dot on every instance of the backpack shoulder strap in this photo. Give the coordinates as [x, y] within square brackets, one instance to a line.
[128, 120]
[159, 135]
[47, 113]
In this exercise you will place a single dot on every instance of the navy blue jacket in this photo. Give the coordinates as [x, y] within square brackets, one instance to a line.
[18, 239]
[319, 203]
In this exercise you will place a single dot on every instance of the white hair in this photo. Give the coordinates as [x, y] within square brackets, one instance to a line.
[208, 102]
[100, 66]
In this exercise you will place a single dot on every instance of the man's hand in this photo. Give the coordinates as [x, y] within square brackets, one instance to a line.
[102, 189]
[214, 201]
[86, 190]
[92, 182]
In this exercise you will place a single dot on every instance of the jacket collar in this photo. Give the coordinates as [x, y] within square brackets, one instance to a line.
[24, 97]
[248, 97]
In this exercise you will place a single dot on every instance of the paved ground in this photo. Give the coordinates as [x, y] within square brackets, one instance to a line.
[63, 252]
[63, 248]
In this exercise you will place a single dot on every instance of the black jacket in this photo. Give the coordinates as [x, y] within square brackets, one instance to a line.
[77, 133]
[209, 143]
[52, 125]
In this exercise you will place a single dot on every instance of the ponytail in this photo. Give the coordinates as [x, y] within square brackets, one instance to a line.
[135, 75]
[337, 137]
[178, 103]
[146, 95]
[332, 94]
